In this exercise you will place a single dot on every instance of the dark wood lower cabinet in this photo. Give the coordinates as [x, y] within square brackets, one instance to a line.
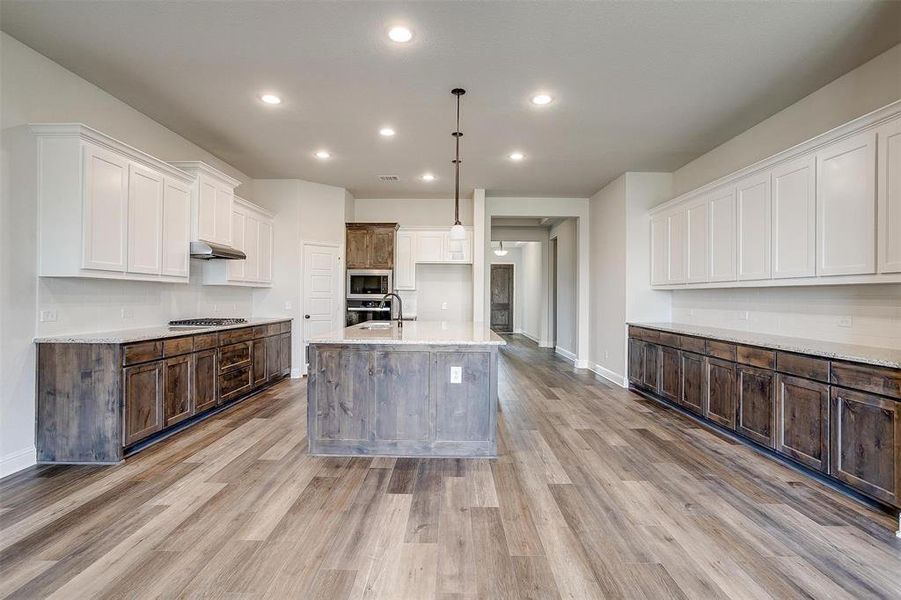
[143, 401]
[651, 366]
[802, 421]
[720, 397]
[756, 415]
[636, 361]
[694, 382]
[178, 399]
[866, 443]
[284, 354]
[260, 373]
[273, 365]
[670, 373]
[206, 379]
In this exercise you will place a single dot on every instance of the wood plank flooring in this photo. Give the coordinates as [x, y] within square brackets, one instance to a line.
[597, 493]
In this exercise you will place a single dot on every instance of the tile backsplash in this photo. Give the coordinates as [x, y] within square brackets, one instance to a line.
[856, 314]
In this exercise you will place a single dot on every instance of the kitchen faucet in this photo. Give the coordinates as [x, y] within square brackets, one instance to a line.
[400, 308]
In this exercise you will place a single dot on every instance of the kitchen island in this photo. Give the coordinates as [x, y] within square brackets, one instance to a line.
[428, 388]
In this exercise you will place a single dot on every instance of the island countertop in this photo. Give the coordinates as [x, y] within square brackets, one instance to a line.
[429, 333]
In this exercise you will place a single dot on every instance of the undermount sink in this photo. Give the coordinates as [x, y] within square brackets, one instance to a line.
[377, 326]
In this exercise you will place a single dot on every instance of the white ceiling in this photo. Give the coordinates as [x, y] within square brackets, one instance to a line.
[639, 86]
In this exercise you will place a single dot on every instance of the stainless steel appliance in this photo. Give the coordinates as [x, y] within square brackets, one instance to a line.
[360, 311]
[205, 322]
[368, 284]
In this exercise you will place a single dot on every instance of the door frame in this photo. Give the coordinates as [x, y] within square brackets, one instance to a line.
[512, 295]
[339, 305]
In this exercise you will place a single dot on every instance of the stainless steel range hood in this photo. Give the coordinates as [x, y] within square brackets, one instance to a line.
[207, 251]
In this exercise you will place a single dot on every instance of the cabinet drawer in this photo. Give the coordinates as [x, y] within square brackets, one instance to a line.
[284, 327]
[260, 331]
[646, 335]
[668, 339]
[878, 380]
[722, 350]
[693, 344]
[177, 346]
[234, 383]
[803, 366]
[235, 335]
[755, 357]
[206, 341]
[234, 356]
[143, 352]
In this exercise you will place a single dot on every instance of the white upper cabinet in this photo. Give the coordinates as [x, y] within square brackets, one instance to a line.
[752, 201]
[846, 206]
[430, 246]
[265, 245]
[105, 205]
[236, 268]
[108, 210]
[697, 232]
[721, 215]
[206, 211]
[794, 218]
[889, 196]
[659, 250]
[676, 243]
[252, 242]
[251, 231]
[225, 196]
[215, 196]
[404, 263]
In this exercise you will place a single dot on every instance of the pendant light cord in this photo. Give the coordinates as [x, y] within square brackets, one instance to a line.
[457, 135]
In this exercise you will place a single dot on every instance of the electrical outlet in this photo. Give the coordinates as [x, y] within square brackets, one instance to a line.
[48, 316]
[844, 321]
[456, 375]
[743, 315]
[606, 355]
[287, 305]
[127, 313]
[444, 306]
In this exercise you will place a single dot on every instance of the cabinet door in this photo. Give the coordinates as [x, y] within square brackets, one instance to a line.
[265, 252]
[105, 210]
[357, 249]
[659, 250]
[178, 399]
[720, 397]
[752, 198]
[888, 169]
[430, 246]
[206, 210]
[846, 206]
[343, 394]
[402, 396]
[251, 247]
[260, 373]
[694, 382]
[676, 240]
[143, 401]
[756, 405]
[458, 251]
[273, 348]
[404, 266]
[651, 373]
[670, 373]
[145, 220]
[794, 219]
[802, 421]
[381, 249]
[636, 361]
[284, 354]
[176, 228]
[206, 371]
[866, 437]
[697, 229]
[721, 215]
[236, 268]
[225, 198]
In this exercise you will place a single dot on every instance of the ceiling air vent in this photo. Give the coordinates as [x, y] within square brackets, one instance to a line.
[389, 178]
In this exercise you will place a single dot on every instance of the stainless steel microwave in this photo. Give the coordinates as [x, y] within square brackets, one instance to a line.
[368, 284]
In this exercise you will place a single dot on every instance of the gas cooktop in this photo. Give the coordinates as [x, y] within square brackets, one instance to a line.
[210, 322]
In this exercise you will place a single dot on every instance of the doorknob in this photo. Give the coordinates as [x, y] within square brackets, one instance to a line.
[306, 316]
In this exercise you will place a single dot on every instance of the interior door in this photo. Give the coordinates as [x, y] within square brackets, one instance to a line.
[502, 298]
[321, 303]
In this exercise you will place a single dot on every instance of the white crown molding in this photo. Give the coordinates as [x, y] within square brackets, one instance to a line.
[197, 167]
[253, 207]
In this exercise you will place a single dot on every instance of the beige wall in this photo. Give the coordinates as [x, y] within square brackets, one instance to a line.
[412, 212]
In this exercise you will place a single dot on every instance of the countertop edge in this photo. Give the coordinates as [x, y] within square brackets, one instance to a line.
[122, 336]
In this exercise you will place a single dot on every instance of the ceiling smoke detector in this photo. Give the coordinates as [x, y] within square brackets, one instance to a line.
[389, 178]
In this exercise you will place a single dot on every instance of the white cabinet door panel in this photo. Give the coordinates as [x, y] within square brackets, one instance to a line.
[251, 248]
[236, 267]
[846, 206]
[105, 210]
[404, 264]
[888, 171]
[206, 211]
[223, 222]
[794, 219]
[145, 220]
[176, 228]
[265, 245]
[659, 251]
[430, 246]
[752, 198]
[721, 214]
[697, 230]
[676, 247]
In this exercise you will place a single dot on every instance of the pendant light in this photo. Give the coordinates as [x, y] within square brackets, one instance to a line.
[457, 233]
[500, 251]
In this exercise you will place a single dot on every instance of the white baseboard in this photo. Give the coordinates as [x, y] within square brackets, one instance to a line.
[565, 354]
[581, 364]
[18, 460]
[609, 375]
[296, 373]
[530, 336]
[546, 344]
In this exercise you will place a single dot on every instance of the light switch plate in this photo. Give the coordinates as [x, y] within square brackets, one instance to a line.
[127, 313]
[456, 375]
[48, 316]
[844, 321]
[444, 306]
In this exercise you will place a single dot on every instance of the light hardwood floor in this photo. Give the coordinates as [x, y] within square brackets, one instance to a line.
[597, 493]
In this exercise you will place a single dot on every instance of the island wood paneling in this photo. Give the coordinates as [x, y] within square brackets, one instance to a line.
[402, 391]
[463, 410]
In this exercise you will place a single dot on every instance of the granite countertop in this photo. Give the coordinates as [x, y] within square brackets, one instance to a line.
[432, 333]
[871, 355]
[125, 336]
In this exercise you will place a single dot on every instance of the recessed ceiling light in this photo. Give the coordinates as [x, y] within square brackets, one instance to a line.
[541, 99]
[517, 156]
[428, 177]
[401, 35]
[386, 132]
[271, 99]
[323, 154]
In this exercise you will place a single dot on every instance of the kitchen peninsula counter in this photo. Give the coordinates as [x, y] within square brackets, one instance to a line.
[426, 389]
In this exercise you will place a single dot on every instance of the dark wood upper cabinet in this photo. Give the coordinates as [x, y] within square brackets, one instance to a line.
[143, 401]
[802, 421]
[694, 382]
[370, 245]
[178, 398]
[866, 443]
[206, 372]
[670, 373]
[720, 406]
[756, 404]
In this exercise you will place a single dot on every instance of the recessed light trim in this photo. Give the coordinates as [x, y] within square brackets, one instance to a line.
[516, 156]
[387, 132]
[323, 154]
[542, 99]
[427, 177]
[400, 34]
[271, 99]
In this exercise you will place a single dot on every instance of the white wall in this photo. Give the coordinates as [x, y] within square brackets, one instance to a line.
[412, 212]
[36, 89]
[440, 285]
[534, 275]
[567, 286]
[513, 257]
